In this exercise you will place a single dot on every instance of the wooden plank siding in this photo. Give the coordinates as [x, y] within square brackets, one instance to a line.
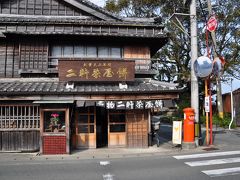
[16, 58]
[38, 7]
[137, 129]
[19, 140]
[139, 53]
[19, 128]
[236, 105]
[9, 59]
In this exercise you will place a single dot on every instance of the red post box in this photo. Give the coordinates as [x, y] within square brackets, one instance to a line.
[188, 125]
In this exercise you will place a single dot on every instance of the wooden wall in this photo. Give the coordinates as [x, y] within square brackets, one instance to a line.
[227, 103]
[27, 56]
[9, 59]
[38, 7]
[137, 52]
[33, 55]
[137, 129]
[236, 104]
[19, 140]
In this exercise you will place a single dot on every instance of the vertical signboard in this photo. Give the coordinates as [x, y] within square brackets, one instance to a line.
[206, 105]
[177, 132]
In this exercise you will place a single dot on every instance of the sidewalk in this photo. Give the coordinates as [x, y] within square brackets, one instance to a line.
[222, 139]
[166, 148]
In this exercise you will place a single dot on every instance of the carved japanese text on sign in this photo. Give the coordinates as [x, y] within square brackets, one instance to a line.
[96, 70]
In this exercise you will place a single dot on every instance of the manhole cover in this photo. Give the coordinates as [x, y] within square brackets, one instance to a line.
[210, 149]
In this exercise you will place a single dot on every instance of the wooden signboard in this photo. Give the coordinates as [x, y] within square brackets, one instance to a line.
[96, 70]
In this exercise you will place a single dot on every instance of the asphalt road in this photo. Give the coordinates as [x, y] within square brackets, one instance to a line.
[164, 167]
[221, 164]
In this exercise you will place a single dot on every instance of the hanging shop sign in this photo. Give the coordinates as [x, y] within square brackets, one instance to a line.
[96, 70]
[138, 104]
[212, 24]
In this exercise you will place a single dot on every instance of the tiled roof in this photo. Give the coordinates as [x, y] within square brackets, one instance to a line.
[38, 87]
[83, 20]
[160, 36]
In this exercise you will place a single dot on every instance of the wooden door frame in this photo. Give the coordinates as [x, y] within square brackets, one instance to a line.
[108, 120]
[76, 127]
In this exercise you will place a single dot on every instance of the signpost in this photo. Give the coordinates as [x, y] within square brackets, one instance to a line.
[203, 68]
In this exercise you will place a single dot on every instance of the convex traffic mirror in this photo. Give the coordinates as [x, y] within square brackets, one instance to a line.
[203, 67]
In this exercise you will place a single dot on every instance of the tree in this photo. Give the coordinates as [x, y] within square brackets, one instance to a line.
[133, 8]
[178, 49]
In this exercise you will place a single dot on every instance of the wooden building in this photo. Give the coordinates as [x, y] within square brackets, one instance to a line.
[75, 76]
[236, 105]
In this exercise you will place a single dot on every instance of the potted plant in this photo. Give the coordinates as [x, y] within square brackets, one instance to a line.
[54, 122]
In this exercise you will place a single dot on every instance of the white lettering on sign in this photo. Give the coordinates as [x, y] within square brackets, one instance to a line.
[158, 104]
[130, 105]
[148, 105]
[110, 105]
[100, 103]
[139, 104]
[120, 105]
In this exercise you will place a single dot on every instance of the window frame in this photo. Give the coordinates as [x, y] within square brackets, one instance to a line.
[120, 112]
[89, 113]
[42, 128]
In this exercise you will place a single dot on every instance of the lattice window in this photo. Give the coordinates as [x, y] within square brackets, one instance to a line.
[16, 117]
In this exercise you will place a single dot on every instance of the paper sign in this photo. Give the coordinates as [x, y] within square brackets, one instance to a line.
[177, 132]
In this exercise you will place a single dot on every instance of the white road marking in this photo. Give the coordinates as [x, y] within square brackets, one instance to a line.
[222, 172]
[108, 176]
[213, 162]
[104, 163]
[191, 156]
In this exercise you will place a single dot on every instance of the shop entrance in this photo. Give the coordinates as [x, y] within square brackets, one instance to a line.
[97, 127]
[101, 127]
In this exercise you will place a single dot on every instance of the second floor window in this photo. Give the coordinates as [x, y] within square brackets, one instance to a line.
[79, 51]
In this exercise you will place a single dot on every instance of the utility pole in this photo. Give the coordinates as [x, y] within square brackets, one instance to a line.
[194, 56]
[218, 81]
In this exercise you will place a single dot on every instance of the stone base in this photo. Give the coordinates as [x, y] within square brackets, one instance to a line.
[188, 145]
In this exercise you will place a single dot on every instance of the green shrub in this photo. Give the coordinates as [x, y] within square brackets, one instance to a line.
[216, 120]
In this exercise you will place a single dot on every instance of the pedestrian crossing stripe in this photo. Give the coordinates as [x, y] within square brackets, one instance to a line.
[192, 156]
[222, 172]
[213, 162]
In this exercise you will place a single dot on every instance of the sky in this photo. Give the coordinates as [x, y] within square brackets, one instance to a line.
[98, 2]
[226, 87]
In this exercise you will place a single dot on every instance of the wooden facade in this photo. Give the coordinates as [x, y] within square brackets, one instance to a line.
[19, 127]
[45, 42]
